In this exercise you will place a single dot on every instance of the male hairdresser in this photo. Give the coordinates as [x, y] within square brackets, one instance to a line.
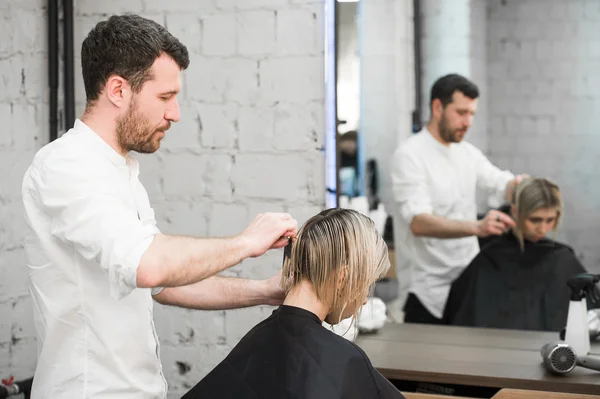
[95, 255]
[435, 176]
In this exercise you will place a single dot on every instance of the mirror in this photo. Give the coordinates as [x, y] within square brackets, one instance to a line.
[535, 64]
[376, 94]
[348, 98]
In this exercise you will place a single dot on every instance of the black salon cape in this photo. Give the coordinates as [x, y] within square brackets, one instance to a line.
[506, 288]
[291, 355]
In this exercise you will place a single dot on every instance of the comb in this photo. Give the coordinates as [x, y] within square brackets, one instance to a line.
[287, 251]
[287, 256]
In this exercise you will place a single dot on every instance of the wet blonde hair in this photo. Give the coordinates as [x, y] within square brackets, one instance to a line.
[334, 243]
[532, 194]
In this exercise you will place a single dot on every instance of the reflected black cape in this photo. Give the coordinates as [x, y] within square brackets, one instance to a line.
[291, 355]
[506, 288]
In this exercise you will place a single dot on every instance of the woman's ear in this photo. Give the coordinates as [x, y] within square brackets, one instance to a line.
[513, 211]
[557, 221]
[342, 280]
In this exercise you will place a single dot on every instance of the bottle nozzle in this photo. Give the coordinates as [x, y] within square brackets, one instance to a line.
[583, 284]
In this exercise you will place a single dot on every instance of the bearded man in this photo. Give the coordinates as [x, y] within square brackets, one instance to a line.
[435, 177]
[96, 259]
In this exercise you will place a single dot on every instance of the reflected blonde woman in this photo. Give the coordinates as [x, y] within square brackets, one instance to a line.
[536, 207]
[518, 280]
[329, 270]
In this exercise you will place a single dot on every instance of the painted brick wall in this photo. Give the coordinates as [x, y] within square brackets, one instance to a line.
[453, 41]
[24, 112]
[250, 140]
[543, 63]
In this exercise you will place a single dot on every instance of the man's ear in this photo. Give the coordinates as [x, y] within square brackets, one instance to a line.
[117, 91]
[437, 108]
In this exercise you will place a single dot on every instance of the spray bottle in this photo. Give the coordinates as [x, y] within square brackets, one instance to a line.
[577, 334]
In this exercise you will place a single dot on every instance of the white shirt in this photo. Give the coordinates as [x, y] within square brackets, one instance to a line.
[428, 177]
[90, 222]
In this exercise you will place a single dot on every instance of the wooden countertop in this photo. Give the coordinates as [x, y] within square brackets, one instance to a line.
[472, 356]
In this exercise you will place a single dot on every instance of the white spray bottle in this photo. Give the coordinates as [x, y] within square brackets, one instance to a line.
[577, 333]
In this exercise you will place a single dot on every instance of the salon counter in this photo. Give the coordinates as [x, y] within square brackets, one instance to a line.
[472, 357]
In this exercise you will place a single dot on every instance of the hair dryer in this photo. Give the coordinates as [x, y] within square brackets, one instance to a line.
[560, 358]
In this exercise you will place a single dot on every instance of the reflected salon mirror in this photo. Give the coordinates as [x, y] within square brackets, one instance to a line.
[377, 99]
[376, 104]
[348, 98]
[536, 66]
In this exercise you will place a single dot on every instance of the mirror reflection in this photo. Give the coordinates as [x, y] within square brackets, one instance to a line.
[468, 128]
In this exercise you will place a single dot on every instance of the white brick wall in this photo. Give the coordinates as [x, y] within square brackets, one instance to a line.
[454, 41]
[478, 134]
[251, 134]
[24, 111]
[445, 42]
[543, 64]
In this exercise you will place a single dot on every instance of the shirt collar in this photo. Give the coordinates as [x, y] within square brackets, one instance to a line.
[437, 143]
[104, 148]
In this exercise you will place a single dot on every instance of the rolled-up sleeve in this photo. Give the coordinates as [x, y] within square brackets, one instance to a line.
[491, 179]
[409, 185]
[88, 211]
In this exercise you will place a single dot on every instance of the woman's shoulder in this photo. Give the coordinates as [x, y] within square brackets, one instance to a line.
[342, 348]
[561, 246]
[506, 240]
[509, 242]
[557, 249]
[498, 247]
[562, 258]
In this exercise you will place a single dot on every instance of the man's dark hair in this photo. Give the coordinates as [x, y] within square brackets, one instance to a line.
[444, 88]
[127, 46]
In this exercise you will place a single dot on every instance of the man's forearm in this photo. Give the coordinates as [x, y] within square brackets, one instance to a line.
[173, 261]
[218, 293]
[427, 225]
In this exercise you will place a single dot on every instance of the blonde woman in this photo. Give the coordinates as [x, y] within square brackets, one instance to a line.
[518, 280]
[331, 266]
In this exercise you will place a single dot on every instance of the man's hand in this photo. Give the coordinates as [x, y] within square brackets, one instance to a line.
[511, 185]
[494, 223]
[173, 261]
[274, 294]
[269, 231]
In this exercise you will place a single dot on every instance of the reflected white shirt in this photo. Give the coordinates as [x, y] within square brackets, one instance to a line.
[90, 222]
[428, 177]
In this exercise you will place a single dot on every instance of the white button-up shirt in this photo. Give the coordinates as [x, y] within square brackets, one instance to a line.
[428, 177]
[90, 223]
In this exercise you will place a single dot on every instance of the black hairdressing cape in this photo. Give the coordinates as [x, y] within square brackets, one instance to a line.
[291, 355]
[506, 288]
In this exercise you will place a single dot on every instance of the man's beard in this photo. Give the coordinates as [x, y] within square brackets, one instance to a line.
[134, 132]
[448, 134]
